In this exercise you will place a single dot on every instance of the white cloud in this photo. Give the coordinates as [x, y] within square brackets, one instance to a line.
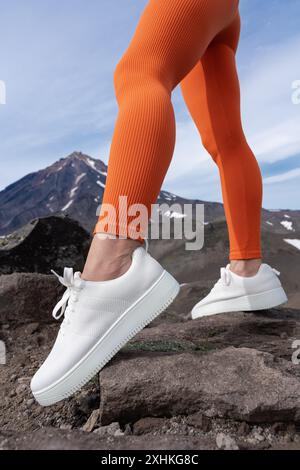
[289, 175]
[272, 120]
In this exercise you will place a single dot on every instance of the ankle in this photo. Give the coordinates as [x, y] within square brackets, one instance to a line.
[108, 258]
[106, 270]
[245, 268]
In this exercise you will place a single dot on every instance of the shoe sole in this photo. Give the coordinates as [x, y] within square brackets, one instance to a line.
[153, 302]
[263, 301]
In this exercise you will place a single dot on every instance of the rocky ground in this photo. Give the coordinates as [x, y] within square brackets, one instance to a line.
[222, 382]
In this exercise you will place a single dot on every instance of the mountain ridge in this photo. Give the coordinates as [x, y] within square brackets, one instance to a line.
[74, 186]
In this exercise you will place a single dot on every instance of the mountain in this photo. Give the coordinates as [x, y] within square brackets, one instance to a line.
[74, 186]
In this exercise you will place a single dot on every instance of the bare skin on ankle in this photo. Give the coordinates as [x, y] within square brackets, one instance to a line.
[108, 258]
[245, 268]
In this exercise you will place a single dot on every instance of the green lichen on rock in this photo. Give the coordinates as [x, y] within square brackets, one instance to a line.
[161, 346]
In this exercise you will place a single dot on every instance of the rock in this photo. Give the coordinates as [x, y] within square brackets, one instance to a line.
[66, 427]
[112, 429]
[48, 438]
[23, 380]
[21, 389]
[277, 427]
[30, 402]
[253, 445]
[19, 307]
[259, 331]
[226, 442]
[287, 438]
[128, 430]
[291, 429]
[147, 425]
[258, 437]
[91, 422]
[236, 383]
[43, 244]
[88, 402]
[200, 421]
[243, 429]
[32, 328]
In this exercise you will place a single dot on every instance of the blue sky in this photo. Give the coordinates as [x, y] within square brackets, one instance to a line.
[57, 59]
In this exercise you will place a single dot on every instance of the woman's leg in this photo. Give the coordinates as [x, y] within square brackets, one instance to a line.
[211, 91]
[170, 39]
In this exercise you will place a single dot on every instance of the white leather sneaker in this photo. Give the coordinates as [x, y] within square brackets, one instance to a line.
[100, 318]
[233, 293]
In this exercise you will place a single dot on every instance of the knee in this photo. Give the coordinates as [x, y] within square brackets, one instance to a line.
[210, 145]
[223, 145]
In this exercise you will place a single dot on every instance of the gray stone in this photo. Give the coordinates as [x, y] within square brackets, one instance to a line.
[91, 422]
[236, 383]
[19, 307]
[147, 425]
[226, 442]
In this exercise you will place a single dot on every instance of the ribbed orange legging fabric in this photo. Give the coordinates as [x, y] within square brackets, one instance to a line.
[191, 43]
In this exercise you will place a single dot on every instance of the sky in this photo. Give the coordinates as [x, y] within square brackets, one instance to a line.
[57, 59]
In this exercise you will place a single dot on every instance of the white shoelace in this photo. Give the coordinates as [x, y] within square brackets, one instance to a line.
[225, 278]
[65, 305]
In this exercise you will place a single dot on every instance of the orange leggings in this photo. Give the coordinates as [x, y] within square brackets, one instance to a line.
[191, 43]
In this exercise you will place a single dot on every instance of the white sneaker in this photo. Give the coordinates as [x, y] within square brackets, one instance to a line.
[233, 293]
[100, 318]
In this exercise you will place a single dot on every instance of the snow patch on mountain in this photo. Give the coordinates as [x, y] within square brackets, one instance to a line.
[50, 208]
[67, 205]
[295, 243]
[79, 177]
[100, 184]
[168, 196]
[73, 191]
[91, 163]
[288, 225]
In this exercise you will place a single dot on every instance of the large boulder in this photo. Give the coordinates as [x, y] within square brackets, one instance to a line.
[44, 244]
[27, 298]
[235, 383]
[270, 331]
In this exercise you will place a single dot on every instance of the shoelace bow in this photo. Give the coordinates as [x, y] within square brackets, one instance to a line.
[225, 278]
[73, 285]
[70, 295]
